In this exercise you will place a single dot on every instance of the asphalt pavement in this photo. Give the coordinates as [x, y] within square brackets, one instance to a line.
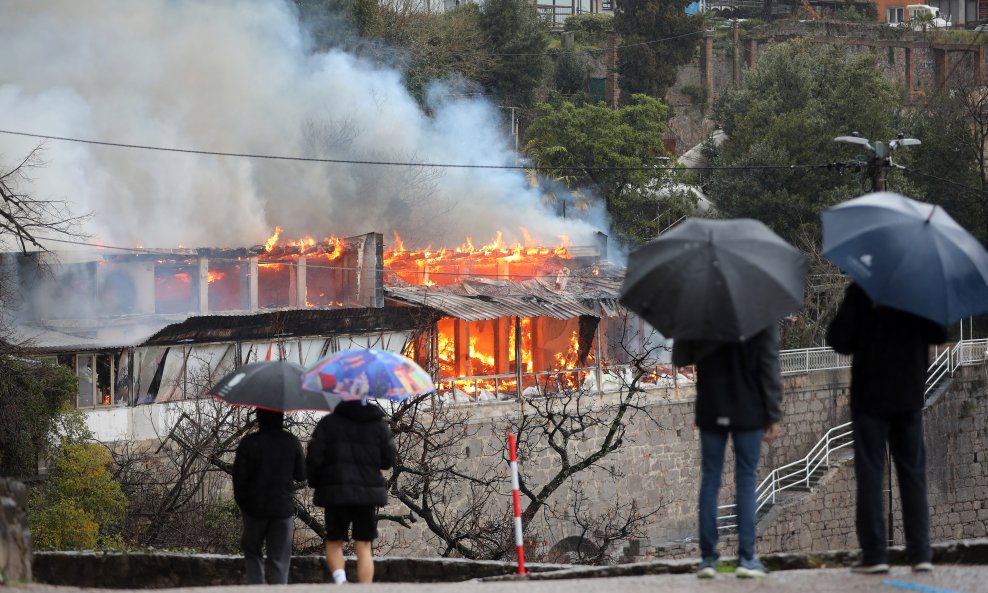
[944, 579]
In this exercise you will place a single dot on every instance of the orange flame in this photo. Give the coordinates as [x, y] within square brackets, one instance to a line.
[495, 260]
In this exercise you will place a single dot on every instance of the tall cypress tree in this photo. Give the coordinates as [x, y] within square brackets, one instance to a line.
[518, 41]
[657, 37]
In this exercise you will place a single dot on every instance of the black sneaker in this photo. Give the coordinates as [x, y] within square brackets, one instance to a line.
[879, 568]
[923, 567]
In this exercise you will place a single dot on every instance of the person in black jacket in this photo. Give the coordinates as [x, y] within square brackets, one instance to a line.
[890, 356]
[738, 394]
[348, 450]
[267, 464]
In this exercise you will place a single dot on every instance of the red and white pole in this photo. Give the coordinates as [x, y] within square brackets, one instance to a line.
[519, 541]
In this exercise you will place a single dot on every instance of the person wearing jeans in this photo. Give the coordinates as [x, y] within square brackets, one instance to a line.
[890, 354]
[738, 396]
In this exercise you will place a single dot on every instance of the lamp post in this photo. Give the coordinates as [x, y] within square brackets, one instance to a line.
[879, 162]
[879, 155]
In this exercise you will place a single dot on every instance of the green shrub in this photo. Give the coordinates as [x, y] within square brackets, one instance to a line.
[589, 29]
[62, 525]
[697, 94]
[222, 522]
[571, 73]
[81, 505]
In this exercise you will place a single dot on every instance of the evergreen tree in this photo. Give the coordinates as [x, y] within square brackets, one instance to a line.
[518, 40]
[657, 37]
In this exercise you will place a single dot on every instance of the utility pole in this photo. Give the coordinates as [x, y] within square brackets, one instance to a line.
[879, 162]
[879, 155]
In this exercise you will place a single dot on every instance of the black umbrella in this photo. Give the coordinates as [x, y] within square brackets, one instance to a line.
[271, 385]
[722, 280]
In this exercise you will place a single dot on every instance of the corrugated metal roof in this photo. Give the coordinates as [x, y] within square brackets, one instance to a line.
[293, 322]
[590, 291]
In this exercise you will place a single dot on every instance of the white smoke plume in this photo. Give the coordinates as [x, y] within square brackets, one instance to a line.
[236, 76]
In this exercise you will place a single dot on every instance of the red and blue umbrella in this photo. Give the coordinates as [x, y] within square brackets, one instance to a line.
[368, 373]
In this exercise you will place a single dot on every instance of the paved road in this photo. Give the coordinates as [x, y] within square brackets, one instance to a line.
[945, 579]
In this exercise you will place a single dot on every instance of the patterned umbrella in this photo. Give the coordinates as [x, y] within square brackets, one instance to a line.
[368, 373]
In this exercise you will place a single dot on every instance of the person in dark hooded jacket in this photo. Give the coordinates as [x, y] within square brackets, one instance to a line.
[266, 466]
[738, 395]
[347, 452]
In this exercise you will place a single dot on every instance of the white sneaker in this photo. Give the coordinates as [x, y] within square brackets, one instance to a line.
[923, 567]
[880, 568]
[750, 569]
[707, 569]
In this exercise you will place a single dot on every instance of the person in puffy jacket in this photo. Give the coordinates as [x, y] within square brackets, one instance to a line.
[738, 395]
[346, 454]
[267, 464]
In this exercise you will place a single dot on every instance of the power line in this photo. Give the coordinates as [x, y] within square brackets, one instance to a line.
[389, 163]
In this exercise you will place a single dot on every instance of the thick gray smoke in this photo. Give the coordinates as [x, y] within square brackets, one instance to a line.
[235, 76]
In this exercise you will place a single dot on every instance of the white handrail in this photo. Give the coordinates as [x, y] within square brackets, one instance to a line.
[793, 474]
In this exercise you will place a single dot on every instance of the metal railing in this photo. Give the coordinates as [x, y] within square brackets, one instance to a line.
[963, 353]
[800, 473]
[805, 360]
[792, 475]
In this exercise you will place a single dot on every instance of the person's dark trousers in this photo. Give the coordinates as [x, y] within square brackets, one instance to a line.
[277, 534]
[904, 435]
[747, 450]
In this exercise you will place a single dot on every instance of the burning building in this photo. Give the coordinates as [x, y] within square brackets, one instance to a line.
[488, 322]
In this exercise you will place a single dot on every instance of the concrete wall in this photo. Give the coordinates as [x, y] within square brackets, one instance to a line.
[15, 535]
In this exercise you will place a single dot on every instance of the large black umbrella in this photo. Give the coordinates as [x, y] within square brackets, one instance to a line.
[271, 385]
[908, 255]
[722, 280]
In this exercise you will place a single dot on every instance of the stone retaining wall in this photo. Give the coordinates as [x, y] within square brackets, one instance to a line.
[658, 467]
[15, 535]
[957, 469]
[165, 570]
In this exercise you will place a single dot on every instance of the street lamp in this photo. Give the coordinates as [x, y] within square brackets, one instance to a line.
[879, 155]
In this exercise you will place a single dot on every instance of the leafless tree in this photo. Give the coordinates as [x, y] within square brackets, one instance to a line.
[451, 478]
[24, 215]
[825, 286]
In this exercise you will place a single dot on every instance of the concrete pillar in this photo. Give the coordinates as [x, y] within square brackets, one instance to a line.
[370, 270]
[708, 67]
[299, 278]
[736, 63]
[203, 284]
[252, 283]
[612, 91]
[503, 328]
[940, 64]
[981, 64]
[908, 65]
[461, 348]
